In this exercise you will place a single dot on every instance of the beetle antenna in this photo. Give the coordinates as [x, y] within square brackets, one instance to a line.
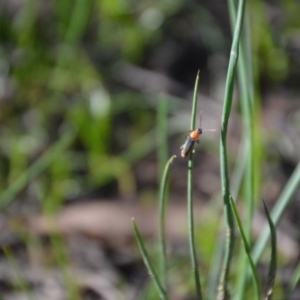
[200, 118]
[209, 130]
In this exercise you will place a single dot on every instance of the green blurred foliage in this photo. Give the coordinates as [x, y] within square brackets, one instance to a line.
[51, 81]
[57, 60]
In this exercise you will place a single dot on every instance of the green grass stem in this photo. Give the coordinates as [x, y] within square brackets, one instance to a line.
[223, 291]
[294, 281]
[284, 199]
[193, 254]
[236, 182]
[246, 91]
[273, 260]
[247, 111]
[239, 170]
[162, 223]
[281, 204]
[162, 293]
[36, 168]
[246, 248]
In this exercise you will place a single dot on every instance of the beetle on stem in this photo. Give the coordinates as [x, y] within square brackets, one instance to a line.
[194, 136]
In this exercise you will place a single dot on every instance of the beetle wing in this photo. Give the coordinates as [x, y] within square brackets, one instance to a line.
[187, 147]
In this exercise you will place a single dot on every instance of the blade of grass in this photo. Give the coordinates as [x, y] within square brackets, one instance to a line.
[246, 248]
[162, 223]
[284, 199]
[247, 111]
[294, 281]
[162, 151]
[273, 260]
[239, 170]
[276, 214]
[236, 182]
[162, 293]
[36, 168]
[193, 254]
[223, 292]
[246, 90]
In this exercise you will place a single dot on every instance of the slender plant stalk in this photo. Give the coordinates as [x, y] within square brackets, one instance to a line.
[236, 182]
[162, 223]
[281, 204]
[36, 168]
[273, 260]
[246, 89]
[247, 110]
[162, 149]
[284, 199]
[294, 281]
[239, 170]
[246, 248]
[162, 293]
[223, 292]
[193, 254]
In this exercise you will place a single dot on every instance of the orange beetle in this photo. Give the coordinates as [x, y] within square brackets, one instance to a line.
[194, 136]
[188, 146]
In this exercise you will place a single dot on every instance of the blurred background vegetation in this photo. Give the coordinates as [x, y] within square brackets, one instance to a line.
[81, 87]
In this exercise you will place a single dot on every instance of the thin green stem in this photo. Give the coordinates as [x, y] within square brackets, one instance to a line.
[239, 170]
[246, 248]
[281, 204]
[195, 102]
[273, 260]
[246, 89]
[294, 281]
[162, 293]
[193, 254]
[236, 182]
[162, 223]
[284, 199]
[223, 149]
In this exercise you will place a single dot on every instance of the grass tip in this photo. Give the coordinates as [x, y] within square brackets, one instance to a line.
[264, 203]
